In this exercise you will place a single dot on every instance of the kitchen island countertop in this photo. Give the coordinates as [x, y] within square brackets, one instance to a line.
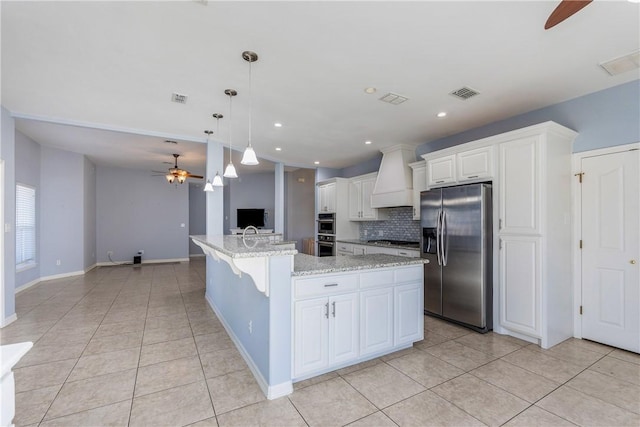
[253, 246]
[305, 265]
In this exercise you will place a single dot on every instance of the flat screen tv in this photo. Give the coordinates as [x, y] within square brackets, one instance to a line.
[247, 217]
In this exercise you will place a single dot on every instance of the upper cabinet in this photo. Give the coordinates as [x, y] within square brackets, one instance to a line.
[360, 190]
[465, 166]
[327, 198]
[441, 170]
[419, 184]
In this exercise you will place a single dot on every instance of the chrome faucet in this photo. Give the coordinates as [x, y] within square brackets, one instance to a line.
[249, 227]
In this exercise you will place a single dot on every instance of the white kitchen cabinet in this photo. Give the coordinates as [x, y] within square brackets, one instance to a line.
[475, 164]
[419, 184]
[409, 253]
[327, 198]
[325, 332]
[359, 249]
[343, 249]
[376, 320]
[408, 322]
[360, 190]
[441, 170]
[380, 250]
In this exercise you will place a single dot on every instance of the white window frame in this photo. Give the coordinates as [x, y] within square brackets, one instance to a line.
[31, 262]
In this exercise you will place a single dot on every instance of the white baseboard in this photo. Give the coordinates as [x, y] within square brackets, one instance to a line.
[91, 267]
[196, 255]
[28, 285]
[52, 277]
[146, 261]
[272, 392]
[9, 320]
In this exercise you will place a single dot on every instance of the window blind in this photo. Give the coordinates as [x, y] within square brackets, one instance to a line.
[25, 224]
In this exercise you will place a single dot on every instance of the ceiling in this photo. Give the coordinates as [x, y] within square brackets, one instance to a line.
[97, 77]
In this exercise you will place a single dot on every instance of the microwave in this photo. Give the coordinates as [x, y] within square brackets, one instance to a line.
[326, 223]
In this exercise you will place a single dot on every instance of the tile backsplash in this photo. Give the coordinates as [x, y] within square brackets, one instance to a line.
[399, 226]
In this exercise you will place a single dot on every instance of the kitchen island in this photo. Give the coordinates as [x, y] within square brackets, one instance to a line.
[293, 316]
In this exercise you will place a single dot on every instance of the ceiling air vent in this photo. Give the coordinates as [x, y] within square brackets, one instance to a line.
[623, 64]
[464, 93]
[394, 98]
[179, 98]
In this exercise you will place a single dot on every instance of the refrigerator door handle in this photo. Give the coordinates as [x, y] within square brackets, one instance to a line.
[438, 250]
[443, 236]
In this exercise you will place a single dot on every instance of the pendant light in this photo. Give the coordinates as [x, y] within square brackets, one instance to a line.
[230, 171]
[249, 156]
[217, 180]
[208, 187]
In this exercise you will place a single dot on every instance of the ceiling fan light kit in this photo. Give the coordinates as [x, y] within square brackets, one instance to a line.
[175, 173]
[249, 157]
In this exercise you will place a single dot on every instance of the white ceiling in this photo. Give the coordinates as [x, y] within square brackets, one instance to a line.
[97, 77]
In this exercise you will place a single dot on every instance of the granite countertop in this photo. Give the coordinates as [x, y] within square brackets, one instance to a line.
[386, 245]
[235, 246]
[305, 265]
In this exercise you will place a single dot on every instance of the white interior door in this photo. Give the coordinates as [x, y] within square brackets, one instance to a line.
[610, 235]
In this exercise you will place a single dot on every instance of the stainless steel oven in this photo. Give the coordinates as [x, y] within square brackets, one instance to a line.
[326, 223]
[326, 245]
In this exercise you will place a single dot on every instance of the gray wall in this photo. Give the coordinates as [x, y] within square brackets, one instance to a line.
[369, 166]
[89, 214]
[7, 153]
[138, 211]
[28, 172]
[197, 214]
[300, 205]
[62, 212]
[602, 119]
[250, 191]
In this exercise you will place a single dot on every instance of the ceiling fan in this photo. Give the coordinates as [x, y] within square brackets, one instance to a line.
[175, 173]
[564, 10]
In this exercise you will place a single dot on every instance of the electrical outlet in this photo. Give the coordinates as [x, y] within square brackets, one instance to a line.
[250, 327]
[109, 253]
[57, 262]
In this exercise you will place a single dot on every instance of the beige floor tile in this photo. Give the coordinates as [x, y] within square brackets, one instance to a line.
[591, 345]
[377, 419]
[234, 390]
[537, 417]
[619, 369]
[109, 343]
[119, 316]
[491, 405]
[459, 355]
[164, 375]
[627, 356]
[429, 409]
[444, 328]
[268, 413]
[32, 405]
[177, 406]
[213, 342]
[154, 336]
[45, 375]
[40, 354]
[396, 354]
[582, 409]
[169, 350]
[114, 415]
[430, 339]
[314, 380]
[79, 396]
[524, 384]
[119, 328]
[426, 369]
[174, 321]
[209, 422]
[383, 385]
[104, 363]
[332, 402]
[222, 362]
[539, 363]
[209, 326]
[491, 343]
[570, 351]
[609, 389]
[348, 369]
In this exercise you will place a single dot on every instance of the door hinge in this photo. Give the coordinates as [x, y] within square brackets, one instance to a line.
[580, 310]
[579, 175]
[580, 243]
[500, 244]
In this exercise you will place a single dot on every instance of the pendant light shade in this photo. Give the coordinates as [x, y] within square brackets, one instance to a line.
[208, 187]
[217, 180]
[230, 170]
[249, 157]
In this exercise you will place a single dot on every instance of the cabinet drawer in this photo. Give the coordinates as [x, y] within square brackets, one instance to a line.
[345, 247]
[325, 285]
[376, 278]
[409, 253]
[409, 274]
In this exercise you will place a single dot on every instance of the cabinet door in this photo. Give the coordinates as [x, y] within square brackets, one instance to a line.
[343, 328]
[331, 197]
[376, 320]
[380, 250]
[419, 184]
[359, 249]
[367, 189]
[441, 170]
[322, 198]
[408, 313]
[519, 186]
[344, 248]
[520, 273]
[311, 335]
[475, 164]
[355, 200]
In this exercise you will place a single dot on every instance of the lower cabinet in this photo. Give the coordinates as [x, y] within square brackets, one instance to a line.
[343, 318]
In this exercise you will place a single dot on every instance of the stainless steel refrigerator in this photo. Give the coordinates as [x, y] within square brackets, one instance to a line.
[457, 241]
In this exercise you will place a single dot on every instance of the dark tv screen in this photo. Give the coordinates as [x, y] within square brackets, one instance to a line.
[247, 217]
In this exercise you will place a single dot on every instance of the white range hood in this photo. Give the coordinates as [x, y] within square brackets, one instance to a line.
[394, 185]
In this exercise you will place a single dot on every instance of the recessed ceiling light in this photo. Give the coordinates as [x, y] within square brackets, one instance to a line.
[442, 114]
[278, 125]
[278, 149]
[316, 162]
[370, 90]
[368, 142]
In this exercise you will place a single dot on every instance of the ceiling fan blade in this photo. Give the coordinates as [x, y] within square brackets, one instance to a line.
[564, 10]
[194, 176]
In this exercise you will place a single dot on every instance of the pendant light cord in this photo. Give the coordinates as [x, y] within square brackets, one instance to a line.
[230, 122]
[250, 101]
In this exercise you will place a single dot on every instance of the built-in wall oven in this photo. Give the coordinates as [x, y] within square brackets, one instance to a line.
[326, 234]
